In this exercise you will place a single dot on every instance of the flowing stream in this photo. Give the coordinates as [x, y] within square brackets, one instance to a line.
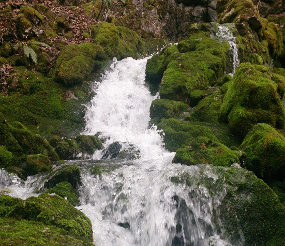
[136, 202]
[225, 34]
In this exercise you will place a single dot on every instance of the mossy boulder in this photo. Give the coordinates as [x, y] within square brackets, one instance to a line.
[69, 173]
[195, 64]
[243, 207]
[34, 233]
[65, 190]
[254, 96]
[117, 41]
[77, 62]
[37, 163]
[20, 148]
[70, 148]
[51, 210]
[196, 143]
[264, 152]
[66, 148]
[164, 108]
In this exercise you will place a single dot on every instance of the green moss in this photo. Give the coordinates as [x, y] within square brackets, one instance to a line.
[69, 148]
[6, 50]
[69, 173]
[272, 33]
[254, 96]
[207, 109]
[33, 15]
[50, 210]
[117, 41]
[200, 64]
[65, 190]
[196, 143]
[33, 233]
[264, 150]
[156, 66]
[6, 157]
[3, 61]
[77, 62]
[37, 163]
[88, 144]
[164, 108]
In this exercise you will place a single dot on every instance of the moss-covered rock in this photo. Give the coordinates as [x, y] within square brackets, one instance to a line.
[117, 41]
[264, 150]
[243, 204]
[164, 108]
[65, 190]
[20, 148]
[254, 96]
[194, 65]
[33, 233]
[70, 148]
[69, 173]
[196, 143]
[49, 210]
[77, 62]
[37, 163]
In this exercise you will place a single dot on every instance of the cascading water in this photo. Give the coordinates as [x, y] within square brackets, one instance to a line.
[138, 204]
[225, 34]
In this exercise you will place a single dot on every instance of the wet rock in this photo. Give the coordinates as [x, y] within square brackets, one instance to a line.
[77, 147]
[112, 151]
[248, 205]
[69, 173]
[125, 225]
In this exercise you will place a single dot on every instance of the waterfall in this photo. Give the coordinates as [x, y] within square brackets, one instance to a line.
[137, 204]
[225, 34]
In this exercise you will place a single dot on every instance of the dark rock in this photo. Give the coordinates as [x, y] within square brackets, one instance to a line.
[125, 225]
[112, 151]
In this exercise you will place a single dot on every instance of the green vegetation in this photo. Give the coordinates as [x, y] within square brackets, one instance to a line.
[164, 108]
[39, 212]
[76, 63]
[117, 41]
[69, 173]
[69, 148]
[254, 96]
[264, 150]
[65, 190]
[196, 143]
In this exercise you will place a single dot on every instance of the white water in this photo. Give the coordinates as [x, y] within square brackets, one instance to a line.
[141, 194]
[12, 185]
[225, 34]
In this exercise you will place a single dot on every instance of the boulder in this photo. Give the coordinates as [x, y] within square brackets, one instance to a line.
[254, 96]
[264, 152]
[68, 173]
[50, 210]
